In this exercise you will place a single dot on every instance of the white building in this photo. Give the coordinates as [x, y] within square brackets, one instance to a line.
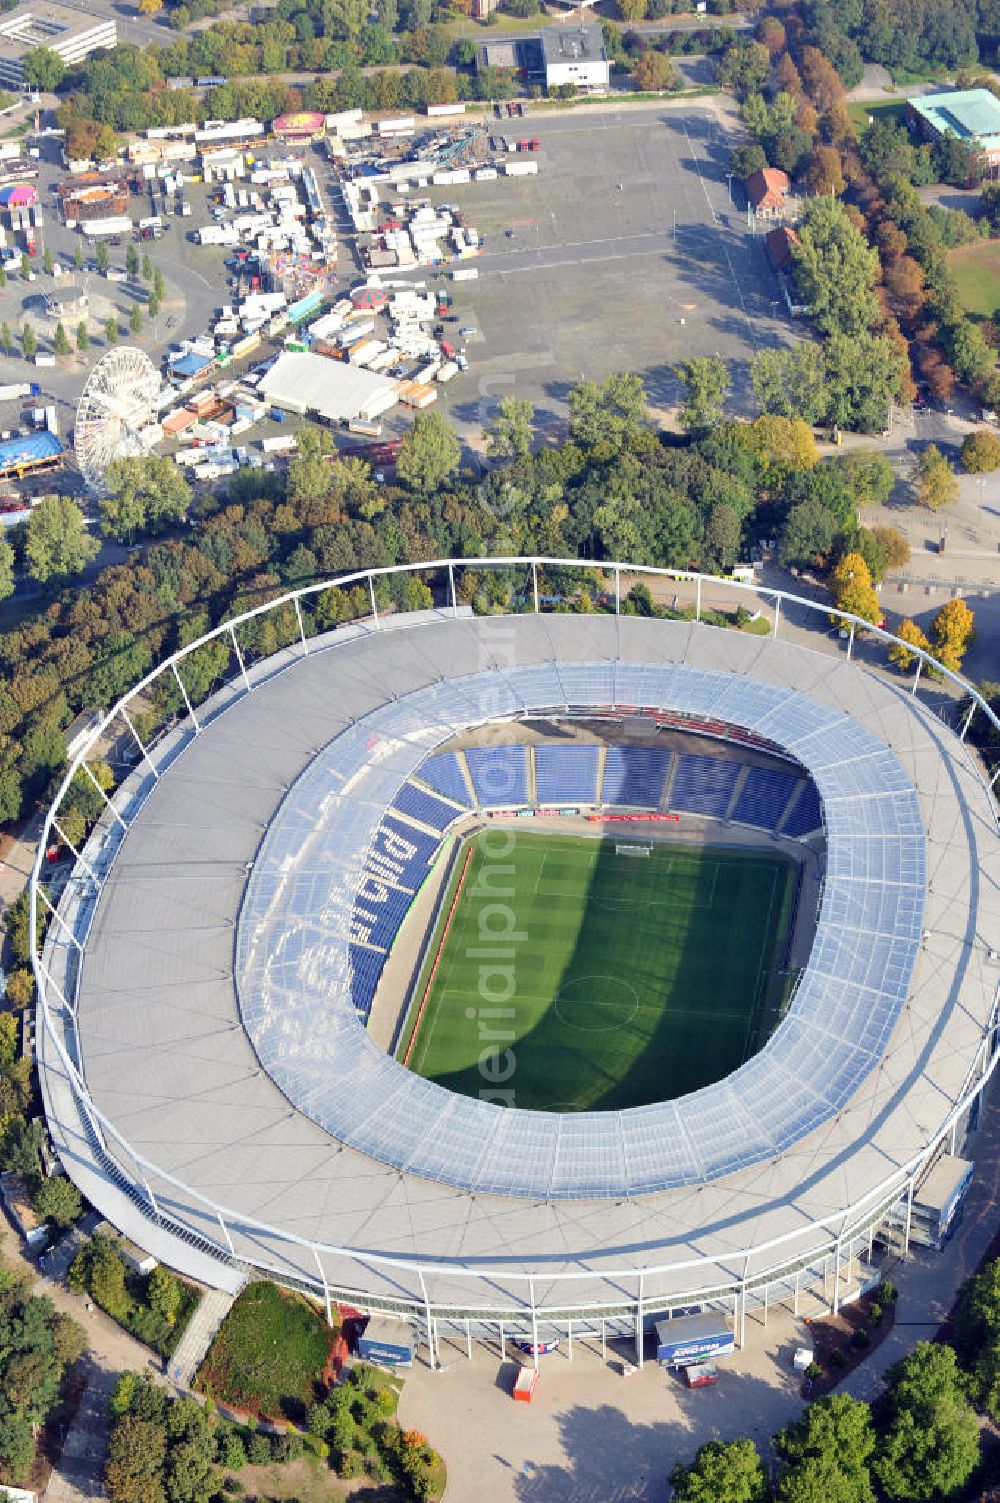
[574, 54]
[71, 34]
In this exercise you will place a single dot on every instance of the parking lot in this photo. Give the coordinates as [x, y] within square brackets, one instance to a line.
[628, 252]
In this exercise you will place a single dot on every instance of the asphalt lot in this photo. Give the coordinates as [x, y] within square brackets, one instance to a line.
[628, 254]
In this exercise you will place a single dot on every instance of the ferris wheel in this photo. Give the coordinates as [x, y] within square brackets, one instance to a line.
[118, 403]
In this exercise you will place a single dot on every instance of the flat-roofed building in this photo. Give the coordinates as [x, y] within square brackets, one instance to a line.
[971, 115]
[575, 54]
[71, 34]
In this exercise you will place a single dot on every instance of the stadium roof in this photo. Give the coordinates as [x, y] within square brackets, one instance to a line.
[896, 1004]
[970, 114]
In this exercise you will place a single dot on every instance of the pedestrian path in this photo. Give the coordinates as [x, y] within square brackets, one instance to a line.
[212, 1310]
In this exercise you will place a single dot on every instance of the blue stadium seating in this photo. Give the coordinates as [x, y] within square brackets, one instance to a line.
[764, 797]
[566, 774]
[633, 775]
[805, 816]
[399, 854]
[444, 775]
[377, 922]
[366, 968]
[425, 807]
[500, 774]
[704, 785]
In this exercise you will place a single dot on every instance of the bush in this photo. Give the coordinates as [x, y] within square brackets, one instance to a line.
[837, 1359]
[981, 452]
[348, 1465]
[259, 1450]
[890, 1294]
[875, 1315]
[814, 1371]
[233, 1485]
[860, 1339]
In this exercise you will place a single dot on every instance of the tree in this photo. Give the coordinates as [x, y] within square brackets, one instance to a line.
[106, 145]
[6, 338]
[935, 482]
[132, 259]
[6, 570]
[791, 382]
[78, 256]
[851, 586]
[58, 1200]
[722, 1472]
[827, 1453]
[931, 1446]
[894, 546]
[823, 171]
[44, 69]
[112, 329]
[25, 265]
[144, 494]
[808, 534]
[107, 1278]
[82, 336]
[429, 455]
[135, 320]
[57, 544]
[149, 7]
[164, 1293]
[508, 434]
[722, 535]
[609, 417]
[60, 342]
[102, 255]
[784, 444]
[158, 285]
[706, 386]
[835, 269]
[653, 72]
[47, 262]
[864, 375]
[981, 452]
[952, 632]
[910, 633]
[29, 342]
[147, 268]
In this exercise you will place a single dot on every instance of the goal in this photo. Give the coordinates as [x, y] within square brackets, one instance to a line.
[632, 848]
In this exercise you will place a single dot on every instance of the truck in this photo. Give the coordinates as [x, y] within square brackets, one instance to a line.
[103, 229]
[689, 1339]
[217, 234]
[387, 1342]
[18, 390]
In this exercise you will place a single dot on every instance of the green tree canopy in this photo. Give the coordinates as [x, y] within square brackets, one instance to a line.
[836, 271]
[44, 69]
[706, 386]
[145, 495]
[57, 544]
[931, 1446]
[429, 455]
[722, 1472]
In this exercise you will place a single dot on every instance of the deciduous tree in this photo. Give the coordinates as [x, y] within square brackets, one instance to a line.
[722, 1472]
[57, 544]
[910, 633]
[706, 386]
[951, 632]
[935, 484]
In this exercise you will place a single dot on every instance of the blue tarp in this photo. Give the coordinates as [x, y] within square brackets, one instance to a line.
[189, 365]
[30, 450]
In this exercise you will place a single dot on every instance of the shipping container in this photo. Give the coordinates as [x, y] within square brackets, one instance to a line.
[387, 1342]
[465, 274]
[692, 1338]
[521, 169]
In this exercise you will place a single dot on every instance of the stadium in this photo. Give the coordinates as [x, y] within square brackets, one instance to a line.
[729, 992]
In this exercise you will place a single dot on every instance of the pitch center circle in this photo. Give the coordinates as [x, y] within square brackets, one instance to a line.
[577, 1006]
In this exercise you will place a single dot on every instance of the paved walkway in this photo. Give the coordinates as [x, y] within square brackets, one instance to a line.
[212, 1310]
[78, 1476]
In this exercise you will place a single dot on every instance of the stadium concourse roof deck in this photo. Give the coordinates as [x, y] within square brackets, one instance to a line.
[852, 1088]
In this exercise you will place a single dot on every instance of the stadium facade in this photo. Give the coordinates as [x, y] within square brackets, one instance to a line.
[210, 1084]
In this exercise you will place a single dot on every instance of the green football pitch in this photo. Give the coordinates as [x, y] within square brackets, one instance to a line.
[632, 978]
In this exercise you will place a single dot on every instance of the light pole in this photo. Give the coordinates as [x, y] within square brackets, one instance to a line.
[729, 189]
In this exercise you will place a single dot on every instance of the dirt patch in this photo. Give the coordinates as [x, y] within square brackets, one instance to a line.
[842, 1342]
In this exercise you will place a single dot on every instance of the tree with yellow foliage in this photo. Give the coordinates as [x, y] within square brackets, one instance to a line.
[850, 584]
[784, 444]
[910, 633]
[952, 632]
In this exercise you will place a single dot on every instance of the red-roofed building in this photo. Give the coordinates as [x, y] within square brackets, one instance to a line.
[779, 243]
[767, 190]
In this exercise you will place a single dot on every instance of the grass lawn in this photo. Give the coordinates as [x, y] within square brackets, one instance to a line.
[268, 1355]
[977, 276]
[880, 109]
[636, 979]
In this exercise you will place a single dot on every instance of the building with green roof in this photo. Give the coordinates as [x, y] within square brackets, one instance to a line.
[973, 115]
